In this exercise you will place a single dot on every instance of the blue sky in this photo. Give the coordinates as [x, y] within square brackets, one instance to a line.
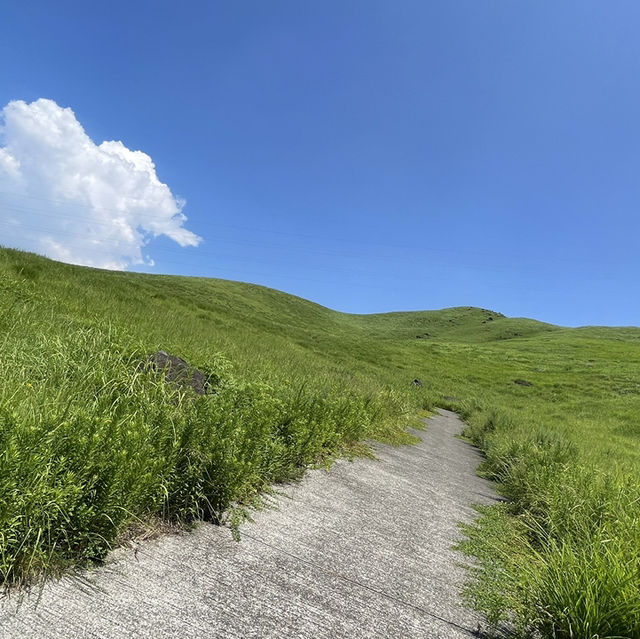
[370, 156]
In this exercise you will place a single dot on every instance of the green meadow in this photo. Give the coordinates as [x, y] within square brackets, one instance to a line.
[96, 446]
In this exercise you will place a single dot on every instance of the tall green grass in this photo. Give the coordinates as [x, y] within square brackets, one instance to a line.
[563, 557]
[92, 442]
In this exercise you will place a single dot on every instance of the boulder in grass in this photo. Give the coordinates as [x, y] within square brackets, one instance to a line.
[522, 382]
[177, 370]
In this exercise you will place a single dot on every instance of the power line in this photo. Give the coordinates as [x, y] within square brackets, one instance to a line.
[478, 255]
[466, 259]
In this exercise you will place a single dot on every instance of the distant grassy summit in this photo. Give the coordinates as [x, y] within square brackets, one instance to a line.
[95, 444]
[461, 323]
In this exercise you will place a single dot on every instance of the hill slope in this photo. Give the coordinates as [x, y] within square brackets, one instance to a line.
[92, 442]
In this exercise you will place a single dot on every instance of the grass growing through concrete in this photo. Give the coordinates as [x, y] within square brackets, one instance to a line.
[92, 442]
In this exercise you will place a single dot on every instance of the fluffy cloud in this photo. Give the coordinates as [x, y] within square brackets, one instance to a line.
[73, 200]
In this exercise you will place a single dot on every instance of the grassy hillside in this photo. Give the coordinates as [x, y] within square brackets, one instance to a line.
[92, 443]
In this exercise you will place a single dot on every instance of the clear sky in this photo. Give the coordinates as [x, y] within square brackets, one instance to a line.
[370, 156]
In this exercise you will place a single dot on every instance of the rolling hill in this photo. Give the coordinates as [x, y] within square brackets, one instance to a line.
[94, 444]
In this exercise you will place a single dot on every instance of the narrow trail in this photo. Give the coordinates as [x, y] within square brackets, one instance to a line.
[363, 550]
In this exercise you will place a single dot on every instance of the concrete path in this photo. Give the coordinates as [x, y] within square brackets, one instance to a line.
[363, 550]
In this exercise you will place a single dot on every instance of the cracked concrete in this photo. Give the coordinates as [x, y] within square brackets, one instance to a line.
[363, 550]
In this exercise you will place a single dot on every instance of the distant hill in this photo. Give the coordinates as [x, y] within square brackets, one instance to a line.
[230, 303]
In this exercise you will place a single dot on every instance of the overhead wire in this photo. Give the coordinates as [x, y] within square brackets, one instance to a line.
[429, 247]
[470, 259]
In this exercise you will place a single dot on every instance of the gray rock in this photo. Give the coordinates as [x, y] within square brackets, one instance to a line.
[177, 370]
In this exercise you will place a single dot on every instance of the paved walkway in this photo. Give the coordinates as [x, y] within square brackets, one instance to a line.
[363, 550]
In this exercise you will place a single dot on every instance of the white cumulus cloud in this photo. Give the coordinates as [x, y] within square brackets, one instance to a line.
[76, 201]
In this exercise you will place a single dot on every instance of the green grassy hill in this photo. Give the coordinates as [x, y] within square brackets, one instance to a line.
[93, 443]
